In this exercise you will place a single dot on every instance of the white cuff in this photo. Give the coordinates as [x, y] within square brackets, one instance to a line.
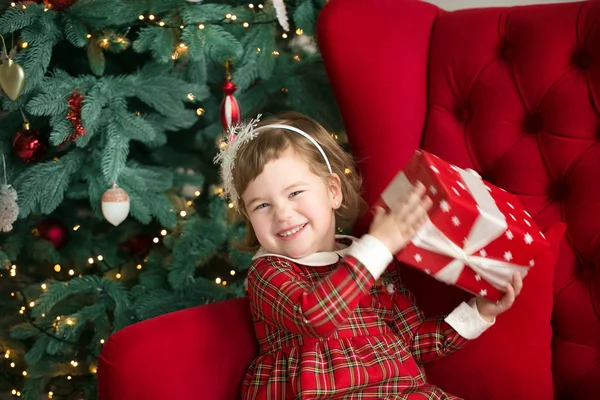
[372, 254]
[465, 320]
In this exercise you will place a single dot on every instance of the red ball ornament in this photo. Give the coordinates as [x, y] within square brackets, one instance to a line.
[29, 145]
[137, 245]
[54, 231]
[59, 5]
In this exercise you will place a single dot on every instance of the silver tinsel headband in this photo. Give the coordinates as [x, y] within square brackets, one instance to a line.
[244, 133]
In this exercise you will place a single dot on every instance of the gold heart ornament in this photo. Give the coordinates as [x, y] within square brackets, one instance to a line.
[12, 79]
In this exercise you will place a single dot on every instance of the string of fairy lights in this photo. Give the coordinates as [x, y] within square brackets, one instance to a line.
[106, 40]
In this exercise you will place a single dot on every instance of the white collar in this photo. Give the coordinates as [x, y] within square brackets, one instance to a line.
[319, 259]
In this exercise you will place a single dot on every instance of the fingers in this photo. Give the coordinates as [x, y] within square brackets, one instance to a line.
[509, 297]
[379, 212]
[416, 201]
[517, 283]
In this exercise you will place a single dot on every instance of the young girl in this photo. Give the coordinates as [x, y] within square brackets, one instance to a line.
[332, 320]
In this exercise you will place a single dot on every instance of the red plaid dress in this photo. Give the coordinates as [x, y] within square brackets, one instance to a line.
[330, 332]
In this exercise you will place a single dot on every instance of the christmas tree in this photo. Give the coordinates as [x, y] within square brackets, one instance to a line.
[111, 208]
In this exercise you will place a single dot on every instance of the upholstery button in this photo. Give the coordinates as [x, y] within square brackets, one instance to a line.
[582, 59]
[508, 52]
[559, 191]
[463, 113]
[487, 176]
[533, 123]
[588, 272]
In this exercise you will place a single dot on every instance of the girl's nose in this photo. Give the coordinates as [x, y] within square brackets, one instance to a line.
[283, 211]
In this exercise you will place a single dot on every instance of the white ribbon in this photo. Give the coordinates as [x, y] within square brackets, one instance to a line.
[488, 226]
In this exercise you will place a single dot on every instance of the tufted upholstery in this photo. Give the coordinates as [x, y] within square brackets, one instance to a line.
[513, 93]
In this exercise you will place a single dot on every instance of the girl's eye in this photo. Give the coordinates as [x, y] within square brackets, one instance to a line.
[263, 205]
[294, 194]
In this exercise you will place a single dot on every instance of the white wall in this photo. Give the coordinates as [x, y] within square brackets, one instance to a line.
[459, 4]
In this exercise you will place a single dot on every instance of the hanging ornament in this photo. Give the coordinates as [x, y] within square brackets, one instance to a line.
[54, 231]
[12, 76]
[138, 245]
[231, 113]
[59, 5]
[9, 209]
[29, 145]
[281, 14]
[74, 115]
[115, 205]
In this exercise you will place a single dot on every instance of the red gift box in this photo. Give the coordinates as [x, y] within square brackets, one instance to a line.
[477, 234]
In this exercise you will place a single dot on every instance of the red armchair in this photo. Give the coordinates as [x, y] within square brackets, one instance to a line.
[513, 93]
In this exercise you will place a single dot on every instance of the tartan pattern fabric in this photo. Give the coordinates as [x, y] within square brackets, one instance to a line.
[332, 332]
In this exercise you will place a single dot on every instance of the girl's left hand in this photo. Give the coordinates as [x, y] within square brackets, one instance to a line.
[489, 309]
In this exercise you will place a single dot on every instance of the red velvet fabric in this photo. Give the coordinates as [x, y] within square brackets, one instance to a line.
[513, 93]
[194, 354]
[510, 92]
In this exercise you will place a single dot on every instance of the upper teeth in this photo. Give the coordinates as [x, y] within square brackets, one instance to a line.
[292, 231]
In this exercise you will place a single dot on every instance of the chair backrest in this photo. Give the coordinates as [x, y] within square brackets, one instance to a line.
[193, 354]
[512, 93]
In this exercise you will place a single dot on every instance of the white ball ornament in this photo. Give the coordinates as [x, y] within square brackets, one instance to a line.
[115, 205]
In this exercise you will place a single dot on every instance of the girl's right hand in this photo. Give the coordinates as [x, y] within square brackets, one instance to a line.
[398, 226]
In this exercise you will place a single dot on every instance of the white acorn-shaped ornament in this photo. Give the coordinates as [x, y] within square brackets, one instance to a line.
[115, 205]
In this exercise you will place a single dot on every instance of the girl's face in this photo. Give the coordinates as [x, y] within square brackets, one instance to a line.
[292, 210]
